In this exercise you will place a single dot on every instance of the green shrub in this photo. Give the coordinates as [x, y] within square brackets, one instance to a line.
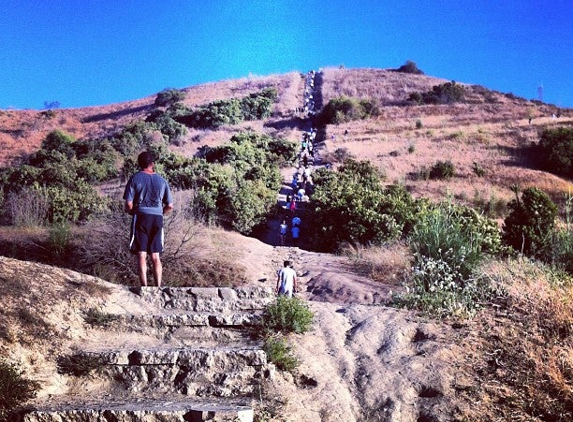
[15, 390]
[287, 315]
[352, 206]
[448, 243]
[556, 151]
[410, 67]
[447, 93]
[343, 109]
[259, 106]
[442, 170]
[230, 112]
[280, 353]
[168, 97]
[59, 238]
[530, 224]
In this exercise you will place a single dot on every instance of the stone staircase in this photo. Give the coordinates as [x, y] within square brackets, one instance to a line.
[193, 358]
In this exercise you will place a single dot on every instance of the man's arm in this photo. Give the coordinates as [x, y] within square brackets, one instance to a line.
[167, 208]
[128, 207]
[278, 281]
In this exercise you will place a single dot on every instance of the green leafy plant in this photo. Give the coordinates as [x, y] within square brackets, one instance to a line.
[59, 237]
[15, 390]
[531, 222]
[280, 353]
[448, 242]
[556, 151]
[287, 315]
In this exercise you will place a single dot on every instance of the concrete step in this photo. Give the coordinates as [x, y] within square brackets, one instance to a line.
[141, 409]
[207, 299]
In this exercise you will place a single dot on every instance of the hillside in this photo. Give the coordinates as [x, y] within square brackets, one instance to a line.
[363, 360]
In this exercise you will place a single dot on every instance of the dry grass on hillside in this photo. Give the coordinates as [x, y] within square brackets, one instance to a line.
[519, 355]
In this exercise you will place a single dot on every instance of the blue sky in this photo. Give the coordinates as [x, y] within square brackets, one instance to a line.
[96, 52]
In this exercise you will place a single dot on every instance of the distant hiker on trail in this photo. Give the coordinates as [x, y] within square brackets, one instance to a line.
[295, 234]
[292, 205]
[147, 198]
[283, 229]
[296, 221]
[286, 280]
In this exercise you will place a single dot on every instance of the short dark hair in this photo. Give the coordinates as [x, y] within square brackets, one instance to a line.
[287, 263]
[144, 159]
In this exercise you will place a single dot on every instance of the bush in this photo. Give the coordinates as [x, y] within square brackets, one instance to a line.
[343, 109]
[410, 67]
[15, 390]
[230, 112]
[442, 170]
[287, 315]
[531, 222]
[168, 97]
[59, 238]
[556, 151]
[280, 353]
[26, 208]
[352, 206]
[447, 93]
[448, 243]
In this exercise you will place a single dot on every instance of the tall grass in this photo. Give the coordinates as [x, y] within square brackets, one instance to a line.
[448, 242]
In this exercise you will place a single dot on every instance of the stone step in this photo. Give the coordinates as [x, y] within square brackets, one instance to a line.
[142, 409]
[221, 372]
[206, 357]
[194, 319]
[207, 299]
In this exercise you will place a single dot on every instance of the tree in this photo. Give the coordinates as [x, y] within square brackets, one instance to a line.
[409, 67]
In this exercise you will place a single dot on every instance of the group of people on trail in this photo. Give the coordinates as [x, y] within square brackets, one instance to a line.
[292, 231]
[309, 106]
[148, 198]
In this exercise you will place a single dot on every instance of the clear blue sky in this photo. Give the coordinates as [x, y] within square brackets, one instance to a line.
[96, 52]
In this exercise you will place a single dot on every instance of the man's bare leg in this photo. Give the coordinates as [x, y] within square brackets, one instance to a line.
[157, 268]
[142, 267]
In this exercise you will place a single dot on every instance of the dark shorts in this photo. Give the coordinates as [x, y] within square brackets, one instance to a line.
[146, 233]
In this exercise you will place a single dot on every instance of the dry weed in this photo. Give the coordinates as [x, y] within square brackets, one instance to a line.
[389, 264]
[521, 353]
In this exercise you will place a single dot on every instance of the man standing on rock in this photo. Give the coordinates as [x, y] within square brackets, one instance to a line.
[147, 198]
[286, 280]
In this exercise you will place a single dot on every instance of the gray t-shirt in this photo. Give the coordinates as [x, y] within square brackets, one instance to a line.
[148, 192]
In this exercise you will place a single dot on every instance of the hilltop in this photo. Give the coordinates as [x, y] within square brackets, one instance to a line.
[364, 360]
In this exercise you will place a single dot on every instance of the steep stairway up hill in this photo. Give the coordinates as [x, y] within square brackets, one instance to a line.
[189, 356]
